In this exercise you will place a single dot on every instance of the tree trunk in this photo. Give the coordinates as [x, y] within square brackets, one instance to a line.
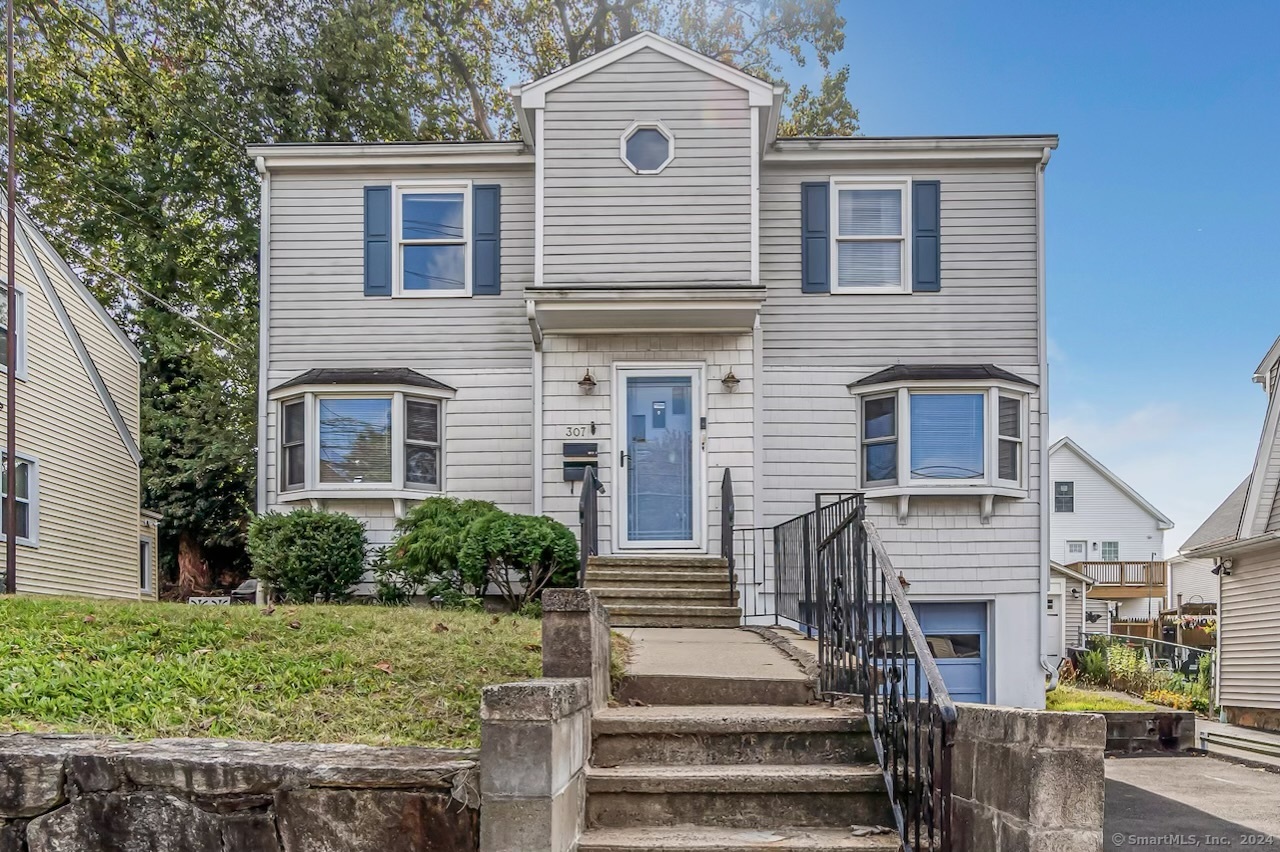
[193, 571]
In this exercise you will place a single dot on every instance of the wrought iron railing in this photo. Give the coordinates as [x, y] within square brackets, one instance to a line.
[726, 531]
[870, 645]
[589, 521]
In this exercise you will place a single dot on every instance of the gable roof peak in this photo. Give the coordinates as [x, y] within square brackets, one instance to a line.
[532, 95]
[1162, 520]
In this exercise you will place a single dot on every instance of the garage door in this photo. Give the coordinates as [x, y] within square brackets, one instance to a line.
[957, 635]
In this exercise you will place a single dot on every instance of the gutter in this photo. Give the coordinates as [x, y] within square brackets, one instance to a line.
[1043, 353]
[264, 325]
[1229, 548]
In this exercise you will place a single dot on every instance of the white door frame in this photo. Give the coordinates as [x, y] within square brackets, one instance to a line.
[1058, 592]
[1066, 551]
[698, 468]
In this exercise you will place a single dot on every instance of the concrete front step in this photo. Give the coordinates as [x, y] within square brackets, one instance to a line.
[661, 562]
[695, 690]
[729, 735]
[624, 597]
[703, 839]
[627, 578]
[672, 615]
[736, 796]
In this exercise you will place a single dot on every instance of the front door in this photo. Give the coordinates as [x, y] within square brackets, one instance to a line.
[1076, 552]
[658, 416]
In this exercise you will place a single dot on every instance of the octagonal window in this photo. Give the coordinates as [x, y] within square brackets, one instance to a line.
[647, 148]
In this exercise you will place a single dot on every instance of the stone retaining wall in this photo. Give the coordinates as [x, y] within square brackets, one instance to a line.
[1027, 781]
[1130, 731]
[65, 793]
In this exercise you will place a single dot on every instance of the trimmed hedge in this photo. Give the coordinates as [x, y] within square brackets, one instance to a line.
[308, 554]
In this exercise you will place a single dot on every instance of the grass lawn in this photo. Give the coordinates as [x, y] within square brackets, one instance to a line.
[359, 674]
[1069, 698]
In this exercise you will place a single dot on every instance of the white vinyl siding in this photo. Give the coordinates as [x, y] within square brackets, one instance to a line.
[1103, 513]
[603, 222]
[1193, 579]
[1249, 668]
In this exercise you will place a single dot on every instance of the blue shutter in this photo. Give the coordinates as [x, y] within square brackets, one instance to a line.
[815, 237]
[377, 241]
[926, 251]
[486, 236]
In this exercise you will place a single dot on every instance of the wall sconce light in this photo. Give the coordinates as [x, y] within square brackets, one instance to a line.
[587, 384]
[730, 381]
[1075, 594]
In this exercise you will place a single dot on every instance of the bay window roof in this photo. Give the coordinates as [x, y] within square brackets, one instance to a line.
[365, 376]
[940, 372]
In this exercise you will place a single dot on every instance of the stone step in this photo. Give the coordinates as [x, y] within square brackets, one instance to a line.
[673, 562]
[627, 578]
[630, 597]
[728, 735]
[662, 609]
[697, 621]
[736, 796]
[696, 690]
[703, 839]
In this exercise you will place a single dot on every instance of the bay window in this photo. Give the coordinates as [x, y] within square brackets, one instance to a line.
[939, 437]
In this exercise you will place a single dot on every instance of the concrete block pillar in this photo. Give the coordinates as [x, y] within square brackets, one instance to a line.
[575, 639]
[533, 754]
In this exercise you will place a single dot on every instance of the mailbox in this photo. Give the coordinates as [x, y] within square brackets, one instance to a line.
[577, 458]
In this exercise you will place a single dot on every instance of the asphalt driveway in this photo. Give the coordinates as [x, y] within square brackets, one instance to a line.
[1190, 802]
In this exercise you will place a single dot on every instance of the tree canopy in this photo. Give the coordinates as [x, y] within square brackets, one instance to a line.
[133, 121]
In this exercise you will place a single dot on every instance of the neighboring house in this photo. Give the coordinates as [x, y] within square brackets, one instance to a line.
[1191, 579]
[1102, 528]
[651, 282]
[79, 529]
[1242, 537]
[1066, 622]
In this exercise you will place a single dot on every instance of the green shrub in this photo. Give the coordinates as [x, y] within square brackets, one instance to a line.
[520, 554]
[1093, 666]
[308, 554]
[423, 560]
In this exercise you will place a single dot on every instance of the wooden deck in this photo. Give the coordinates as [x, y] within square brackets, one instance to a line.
[1124, 580]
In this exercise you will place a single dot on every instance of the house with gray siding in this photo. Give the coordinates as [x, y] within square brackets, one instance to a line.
[652, 283]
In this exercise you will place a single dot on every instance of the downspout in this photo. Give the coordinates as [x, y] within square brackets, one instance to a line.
[535, 331]
[1042, 345]
[264, 327]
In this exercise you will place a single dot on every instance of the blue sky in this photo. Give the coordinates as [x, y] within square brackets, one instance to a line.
[1162, 206]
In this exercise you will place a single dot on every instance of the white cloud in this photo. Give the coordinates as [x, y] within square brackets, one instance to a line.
[1183, 460]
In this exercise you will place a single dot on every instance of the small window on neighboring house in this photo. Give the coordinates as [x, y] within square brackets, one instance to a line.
[355, 440]
[880, 439]
[647, 148]
[16, 328]
[293, 446]
[870, 236]
[1111, 551]
[26, 500]
[1064, 496]
[422, 444]
[434, 230]
[144, 564]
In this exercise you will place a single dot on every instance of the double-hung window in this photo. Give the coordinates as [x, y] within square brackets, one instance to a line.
[16, 328]
[27, 473]
[359, 442]
[1064, 497]
[870, 235]
[433, 235]
[1111, 551]
[943, 437]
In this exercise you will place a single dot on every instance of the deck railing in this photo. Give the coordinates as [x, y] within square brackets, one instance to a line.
[1132, 574]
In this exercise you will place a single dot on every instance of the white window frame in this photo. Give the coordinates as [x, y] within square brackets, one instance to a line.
[647, 125]
[989, 482]
[147, 566]
[281, 455]
[438, 445]
[398, 486]
[1054, 496]
[32, 539]
[903, 184]
[18, 326]
[1020, 442]
[439, 187]
[1102, 551]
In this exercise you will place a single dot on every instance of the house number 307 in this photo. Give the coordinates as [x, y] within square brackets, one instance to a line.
[576, 431]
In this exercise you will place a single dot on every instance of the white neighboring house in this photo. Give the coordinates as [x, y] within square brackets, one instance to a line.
[1101, 527]
[650, 282]
[1193, 579]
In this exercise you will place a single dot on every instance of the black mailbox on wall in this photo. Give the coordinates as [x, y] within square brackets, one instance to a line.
[577, 458]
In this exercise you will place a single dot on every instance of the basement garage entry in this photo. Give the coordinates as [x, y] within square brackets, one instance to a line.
[957, 635]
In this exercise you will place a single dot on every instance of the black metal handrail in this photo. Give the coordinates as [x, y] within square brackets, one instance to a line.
[726, 532]
[589, 521]
[870, 645]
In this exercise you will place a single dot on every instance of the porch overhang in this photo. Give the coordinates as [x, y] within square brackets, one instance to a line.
[613, 310]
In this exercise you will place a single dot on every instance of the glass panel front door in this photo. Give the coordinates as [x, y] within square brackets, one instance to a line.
[659, 423]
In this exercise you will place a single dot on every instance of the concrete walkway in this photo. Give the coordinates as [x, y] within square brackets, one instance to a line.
[727, 666]
[1205, 726]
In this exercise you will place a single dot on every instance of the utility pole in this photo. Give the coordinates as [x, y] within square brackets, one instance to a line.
[11, 338]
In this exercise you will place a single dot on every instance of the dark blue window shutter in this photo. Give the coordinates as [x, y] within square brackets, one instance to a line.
[486, 236]
[926, 249]
[377, 241]
[815, 236]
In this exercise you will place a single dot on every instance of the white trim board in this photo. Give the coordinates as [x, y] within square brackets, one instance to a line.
[1162, 520]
